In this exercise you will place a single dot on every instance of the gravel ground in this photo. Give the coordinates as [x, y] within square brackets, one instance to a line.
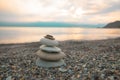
[85, 60]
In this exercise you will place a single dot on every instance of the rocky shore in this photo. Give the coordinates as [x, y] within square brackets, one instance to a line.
[85, 60]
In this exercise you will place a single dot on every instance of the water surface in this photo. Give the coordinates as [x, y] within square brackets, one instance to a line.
[33, 34]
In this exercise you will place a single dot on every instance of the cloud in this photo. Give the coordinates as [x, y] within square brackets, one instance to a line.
[81, 11]
[111, 8]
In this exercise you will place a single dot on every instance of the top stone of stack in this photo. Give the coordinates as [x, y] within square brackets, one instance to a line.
[49, 40]
[50, 37]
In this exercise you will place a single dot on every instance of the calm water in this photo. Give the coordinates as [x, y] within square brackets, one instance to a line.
[32, 34]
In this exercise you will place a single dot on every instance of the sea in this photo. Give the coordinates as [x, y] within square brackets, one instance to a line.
[34, 34]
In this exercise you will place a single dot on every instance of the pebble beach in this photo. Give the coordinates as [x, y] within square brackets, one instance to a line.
[85, 60]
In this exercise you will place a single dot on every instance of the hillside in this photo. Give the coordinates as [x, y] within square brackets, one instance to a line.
[115, 24]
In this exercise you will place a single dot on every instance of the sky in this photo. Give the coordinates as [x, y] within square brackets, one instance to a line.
[78, 11]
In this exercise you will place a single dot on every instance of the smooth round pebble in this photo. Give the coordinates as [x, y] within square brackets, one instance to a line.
[50, 56]
[49, 42]
[50, 49]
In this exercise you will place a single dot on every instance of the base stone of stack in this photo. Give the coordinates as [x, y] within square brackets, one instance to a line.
[43, 63]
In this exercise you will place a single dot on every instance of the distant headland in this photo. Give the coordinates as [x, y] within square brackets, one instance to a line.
[115, 24]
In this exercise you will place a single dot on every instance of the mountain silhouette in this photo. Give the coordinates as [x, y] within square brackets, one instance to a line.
[115, 24]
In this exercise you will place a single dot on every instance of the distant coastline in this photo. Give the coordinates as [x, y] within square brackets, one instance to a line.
[49, 24]
[115, 24]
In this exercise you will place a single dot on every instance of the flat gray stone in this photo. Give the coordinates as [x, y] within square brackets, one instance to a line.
[50, 49]
[43, 63]
[9, 78]
[50, 56]
[62, 69]
[49, 42]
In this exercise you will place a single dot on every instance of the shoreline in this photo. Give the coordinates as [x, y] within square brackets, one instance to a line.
[85, 60]
[19, 43]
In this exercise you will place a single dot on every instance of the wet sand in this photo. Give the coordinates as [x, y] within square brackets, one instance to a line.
[85, 60]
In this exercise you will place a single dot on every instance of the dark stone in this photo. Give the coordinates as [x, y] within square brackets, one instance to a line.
[49, 37]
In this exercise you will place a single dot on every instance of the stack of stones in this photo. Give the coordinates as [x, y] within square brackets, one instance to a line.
[49, 55]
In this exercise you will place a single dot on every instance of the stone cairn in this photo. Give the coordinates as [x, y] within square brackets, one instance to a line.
[49, 55]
